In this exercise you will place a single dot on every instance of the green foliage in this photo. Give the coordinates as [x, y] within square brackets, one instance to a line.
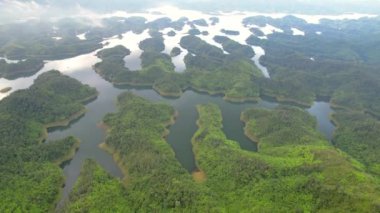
[284, 126]
[339, 63]
[157, 69]
[209, 70]
[25, 162]
[359, 135]
[20, 69]
[212, 71]
[332, 177]
[171, 84]
[234, 47]
[97, 191]
[33, 167]
[295, 169]
[34, 187]
[34, 40]
[116, 53]
[359, 94]
[155, 44]
[156, 181]
[53, 97]
[175, 52]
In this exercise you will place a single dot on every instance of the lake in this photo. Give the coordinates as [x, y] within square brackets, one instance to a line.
[91, 135]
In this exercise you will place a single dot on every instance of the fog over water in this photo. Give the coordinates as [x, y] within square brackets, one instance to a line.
[227, 21]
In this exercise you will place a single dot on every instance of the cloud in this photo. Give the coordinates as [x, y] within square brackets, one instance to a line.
[16, 11]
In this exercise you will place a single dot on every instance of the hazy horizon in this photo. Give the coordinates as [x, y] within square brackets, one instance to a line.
[11, 10]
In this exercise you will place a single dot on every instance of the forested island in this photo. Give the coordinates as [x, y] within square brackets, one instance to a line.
[31, 178]
[5, 89]
[294, 169]
[209, 70]
[154, 180]
[19, 69]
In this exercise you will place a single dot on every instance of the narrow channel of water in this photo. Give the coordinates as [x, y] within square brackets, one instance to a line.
[87, 130]
[322, 111]
[184, 128]
[181, 132]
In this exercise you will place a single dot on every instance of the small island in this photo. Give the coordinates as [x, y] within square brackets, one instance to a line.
[25, 68]
[214, 20]
[230, 32]
[175, 52]
[5, 90]
[148, 161]
[292, 153]
[256, 31]
[194, 32]
[171, 33]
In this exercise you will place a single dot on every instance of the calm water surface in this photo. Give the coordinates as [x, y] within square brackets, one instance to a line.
[87, 130]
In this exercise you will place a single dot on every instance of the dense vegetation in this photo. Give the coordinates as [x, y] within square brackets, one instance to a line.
[154, 181]
[53, 97]
[212, 71]
[339, 62]
[20, 69]
[207, 70]
[175, 52]
[97, 191]
[30, 178]
[359, 135]
[35, 40]
[157, 69]
[234, 47]
[294, 170]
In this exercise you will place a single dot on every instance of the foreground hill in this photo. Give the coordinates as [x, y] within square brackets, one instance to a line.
[30, 177]
[295, 169]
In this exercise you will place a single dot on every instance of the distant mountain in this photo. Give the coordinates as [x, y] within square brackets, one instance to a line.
[292, 6]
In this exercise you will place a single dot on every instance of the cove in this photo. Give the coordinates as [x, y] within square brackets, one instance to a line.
[91, 135]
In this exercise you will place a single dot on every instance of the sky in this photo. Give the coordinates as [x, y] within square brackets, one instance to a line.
[19, 9]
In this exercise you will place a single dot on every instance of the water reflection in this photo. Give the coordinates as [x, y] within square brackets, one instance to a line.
[322, 111]
[87, 130]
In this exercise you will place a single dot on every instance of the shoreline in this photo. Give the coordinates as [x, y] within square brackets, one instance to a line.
[261, 96]
[167, 94]
[289, 101]
[70, 154]
[116, 156]
[242, 99]
[5, 90]
[61, 123]
[66, 122]
[199, 176]
[252, 137]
